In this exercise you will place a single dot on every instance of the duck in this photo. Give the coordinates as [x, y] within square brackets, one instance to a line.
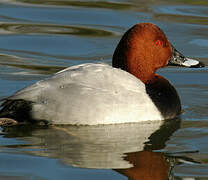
[127, 91]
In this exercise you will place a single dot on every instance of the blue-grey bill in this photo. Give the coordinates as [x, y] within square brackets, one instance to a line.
[178, 59]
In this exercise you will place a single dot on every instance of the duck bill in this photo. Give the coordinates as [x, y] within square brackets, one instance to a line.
[179, 59]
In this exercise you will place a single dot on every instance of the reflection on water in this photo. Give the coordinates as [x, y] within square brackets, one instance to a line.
[147, 165]
[124, 147]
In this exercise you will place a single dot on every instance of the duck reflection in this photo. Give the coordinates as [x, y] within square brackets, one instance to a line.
[147, 165]
[125, 148]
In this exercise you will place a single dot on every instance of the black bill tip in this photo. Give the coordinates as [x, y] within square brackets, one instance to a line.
[199, 65]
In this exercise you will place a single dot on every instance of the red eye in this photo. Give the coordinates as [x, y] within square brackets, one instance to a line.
[158, 43]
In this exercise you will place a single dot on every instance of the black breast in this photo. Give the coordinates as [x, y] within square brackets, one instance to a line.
[165, 97]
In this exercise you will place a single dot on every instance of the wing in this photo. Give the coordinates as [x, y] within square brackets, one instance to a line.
[93, 76]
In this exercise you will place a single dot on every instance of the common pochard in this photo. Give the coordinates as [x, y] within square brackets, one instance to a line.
[90, 94]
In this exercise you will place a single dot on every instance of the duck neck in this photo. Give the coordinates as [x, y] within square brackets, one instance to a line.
[139, 69]
[142, 71]
[130, 55]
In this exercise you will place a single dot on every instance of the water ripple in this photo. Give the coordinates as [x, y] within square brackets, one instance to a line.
[182, 19]
[18, 28]
[181, 14]
[87, 4]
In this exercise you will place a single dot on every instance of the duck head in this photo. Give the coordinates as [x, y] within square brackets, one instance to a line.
[144, 49]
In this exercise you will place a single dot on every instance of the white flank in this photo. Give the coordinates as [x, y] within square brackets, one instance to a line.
[90, 94]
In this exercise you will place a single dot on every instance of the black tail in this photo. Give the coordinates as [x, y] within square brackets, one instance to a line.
[20, 110]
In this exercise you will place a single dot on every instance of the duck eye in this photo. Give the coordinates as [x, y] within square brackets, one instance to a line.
[159, 43]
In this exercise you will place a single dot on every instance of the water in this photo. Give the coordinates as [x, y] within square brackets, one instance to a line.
[39, 38]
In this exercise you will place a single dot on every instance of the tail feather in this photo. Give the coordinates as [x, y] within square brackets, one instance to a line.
[19, 110]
